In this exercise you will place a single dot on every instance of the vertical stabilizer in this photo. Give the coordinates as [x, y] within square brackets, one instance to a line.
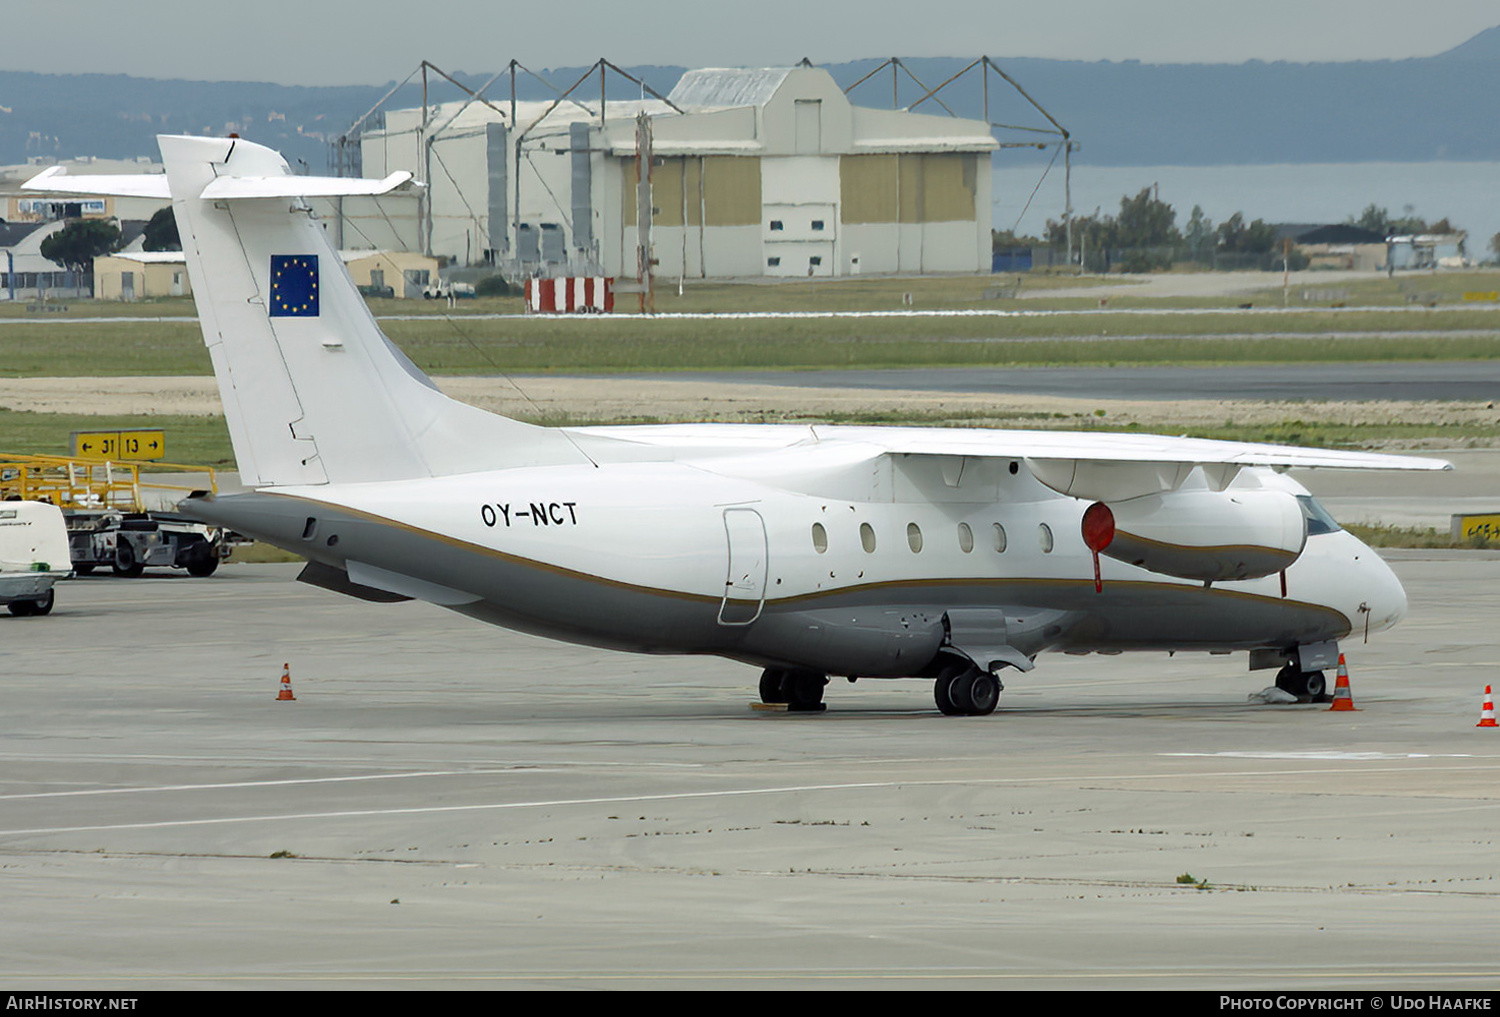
[312, 390]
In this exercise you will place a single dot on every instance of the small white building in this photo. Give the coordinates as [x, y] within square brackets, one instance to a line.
[1428, 251]
[761, 172]
[24, 273]
[29, 218]
[400, 274]
[141, 275]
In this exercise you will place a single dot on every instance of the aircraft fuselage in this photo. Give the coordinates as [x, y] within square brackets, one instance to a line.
[670, 557]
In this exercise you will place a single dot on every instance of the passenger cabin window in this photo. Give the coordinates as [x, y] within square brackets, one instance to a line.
[819, 538]
[867, 537]
[776, 225]
[1044, 537]
[817, 225]
[965, 538]
[999, 539]
[914, 537]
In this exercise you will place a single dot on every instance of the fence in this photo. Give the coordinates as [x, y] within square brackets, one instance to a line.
[1104, 260]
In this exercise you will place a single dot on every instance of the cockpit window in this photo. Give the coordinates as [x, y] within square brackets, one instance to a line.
[1318, 518]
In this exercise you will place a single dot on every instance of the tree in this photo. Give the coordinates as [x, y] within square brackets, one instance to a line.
[77, 244]
[1373, 218]
[1381, 221]
[1199, 234]
[1147, 230]
[161, 232]
[1147, 221]
[1237, 238]
[1008, 240]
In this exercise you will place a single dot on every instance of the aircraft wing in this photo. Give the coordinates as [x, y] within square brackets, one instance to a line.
[1102, 466]
[1115, 447]
[1036, 445]
[1113, 467]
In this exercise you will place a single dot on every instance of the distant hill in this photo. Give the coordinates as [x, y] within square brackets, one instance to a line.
[1122, 114]
[1484, 46]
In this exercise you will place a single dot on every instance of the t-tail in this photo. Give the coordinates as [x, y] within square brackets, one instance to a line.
[313, 392]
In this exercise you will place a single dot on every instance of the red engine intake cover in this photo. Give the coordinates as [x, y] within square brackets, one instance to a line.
[1098, 527]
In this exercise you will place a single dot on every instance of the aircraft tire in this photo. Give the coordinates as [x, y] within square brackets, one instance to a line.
[983, 694]
[961, 692]
[804, 690]
[1302, 684]
[772, 685]
[941, 690]
[1314, 685]
[952, 689]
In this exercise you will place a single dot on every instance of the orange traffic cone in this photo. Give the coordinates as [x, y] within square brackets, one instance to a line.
[1342, 698]
[285, 695]
[1487, 715]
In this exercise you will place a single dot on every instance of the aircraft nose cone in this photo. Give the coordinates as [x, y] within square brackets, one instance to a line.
[1384, 596]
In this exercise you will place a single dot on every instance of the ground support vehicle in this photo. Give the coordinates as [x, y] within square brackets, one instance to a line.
[129, 542]
[115, 518]
[33, 555]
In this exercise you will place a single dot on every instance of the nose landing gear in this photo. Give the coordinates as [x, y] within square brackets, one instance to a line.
[1309, 685]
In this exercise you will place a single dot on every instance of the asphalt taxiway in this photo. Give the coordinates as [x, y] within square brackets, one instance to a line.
[451, 805]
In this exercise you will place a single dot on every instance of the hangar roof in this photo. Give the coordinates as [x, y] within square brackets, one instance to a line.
[727, 87]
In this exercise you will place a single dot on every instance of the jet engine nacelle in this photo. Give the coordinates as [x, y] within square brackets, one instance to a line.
[1208, 536]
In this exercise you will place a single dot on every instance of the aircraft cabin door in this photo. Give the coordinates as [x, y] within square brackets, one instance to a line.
[745, 583]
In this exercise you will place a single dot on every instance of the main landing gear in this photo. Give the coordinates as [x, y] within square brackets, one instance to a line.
[964, 690]
[799, 690]
[1302, 684]
[961, 690]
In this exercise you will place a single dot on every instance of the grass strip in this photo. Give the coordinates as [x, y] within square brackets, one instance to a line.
[456, 345]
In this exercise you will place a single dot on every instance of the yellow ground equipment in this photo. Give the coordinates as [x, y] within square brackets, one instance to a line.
[117, 517]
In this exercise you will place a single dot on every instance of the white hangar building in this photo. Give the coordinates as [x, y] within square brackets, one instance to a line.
[762, 172]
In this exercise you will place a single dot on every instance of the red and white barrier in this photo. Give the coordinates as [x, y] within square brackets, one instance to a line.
[572, 295]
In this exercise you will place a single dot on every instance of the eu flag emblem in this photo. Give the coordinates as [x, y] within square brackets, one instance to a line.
[294, 285]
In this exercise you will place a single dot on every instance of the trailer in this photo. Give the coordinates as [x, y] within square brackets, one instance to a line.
[33, 555]
[116, 519]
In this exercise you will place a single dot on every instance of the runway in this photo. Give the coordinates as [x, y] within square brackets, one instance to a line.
[1458, 381]
[451, 805]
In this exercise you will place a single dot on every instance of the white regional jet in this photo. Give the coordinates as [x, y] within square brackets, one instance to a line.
[807, 551]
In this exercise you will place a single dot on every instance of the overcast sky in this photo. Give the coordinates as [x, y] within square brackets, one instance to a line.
[316, 42]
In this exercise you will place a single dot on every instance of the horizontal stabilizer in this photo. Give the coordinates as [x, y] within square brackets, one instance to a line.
[154, 185]
[57, 180]
[301, 187]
